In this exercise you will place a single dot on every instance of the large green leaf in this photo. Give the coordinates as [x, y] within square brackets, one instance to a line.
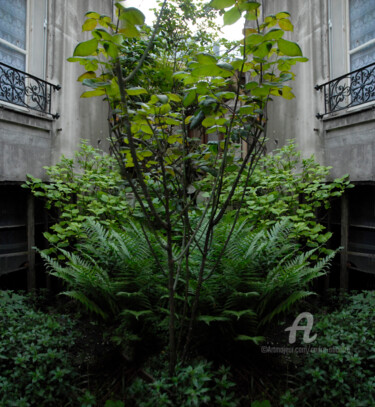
[133, 16]
[92, 83]
[87, 75]
[210, 70]
[86, 48]
[289, 48]
[254, 39]
[135, 91]
[225, 66]
[102, 34]
[129, 30]
[206, 59]
[231, 16]
[274, 34]
[263, 50]
[249, 6]
[111, 49]
[190, 98]
[89, 24]
[220, 4]
[92, 93]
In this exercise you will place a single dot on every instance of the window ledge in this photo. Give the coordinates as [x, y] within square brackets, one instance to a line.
[350, 111]
[25, 111]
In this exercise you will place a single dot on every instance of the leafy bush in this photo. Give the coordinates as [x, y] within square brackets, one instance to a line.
[87, 186]
[344, 377]
[285, 186]
[195, 385]
[34, 367]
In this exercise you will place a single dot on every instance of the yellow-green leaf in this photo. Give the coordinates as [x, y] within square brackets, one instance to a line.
[287, 93]
[206, 59]
[129, 30]
[231, 16]
[286, 25]
[208, 121]
[174, 98]
[136, 91]
[249, 6]
[92, 93]
[190, 98]
[282, 14]
[87, 75]
[133, 16]
[274, 34]
[289, 48]
[111, 49]
[102, 34]
[92, 14]
[86, 48]
[89, 24]
[221, 4]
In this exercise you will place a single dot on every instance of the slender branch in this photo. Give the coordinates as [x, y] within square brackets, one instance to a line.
[147, 50]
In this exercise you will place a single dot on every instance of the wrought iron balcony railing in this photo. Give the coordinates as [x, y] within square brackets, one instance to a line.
[22, 89]
[352, 89]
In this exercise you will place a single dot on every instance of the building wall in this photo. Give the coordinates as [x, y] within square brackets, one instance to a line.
[343, 140]
[30, 140]
[80, 118]
[25, 144]
[296, 118]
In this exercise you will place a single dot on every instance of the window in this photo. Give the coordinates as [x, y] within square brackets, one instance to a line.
[351, 55]
[13, 31]
[23, 47]
[362, 33]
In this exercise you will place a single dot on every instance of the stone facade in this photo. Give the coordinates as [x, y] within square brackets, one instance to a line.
[343, 134]
[31, 139]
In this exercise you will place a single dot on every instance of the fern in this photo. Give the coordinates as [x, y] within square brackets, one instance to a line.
[261, 276]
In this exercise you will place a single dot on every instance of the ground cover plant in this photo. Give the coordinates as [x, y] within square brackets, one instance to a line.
[346, 375]
[35, 365]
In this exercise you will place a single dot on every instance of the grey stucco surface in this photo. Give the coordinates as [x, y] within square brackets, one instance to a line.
[28, 140]
[345, 141]
[25, 145]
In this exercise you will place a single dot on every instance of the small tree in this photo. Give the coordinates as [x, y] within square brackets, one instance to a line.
[157, 138]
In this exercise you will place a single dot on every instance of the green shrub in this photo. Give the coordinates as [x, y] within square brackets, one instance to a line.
[88, 186]
[34, 367]
[284, 186]
[345, 377]
[194, 385]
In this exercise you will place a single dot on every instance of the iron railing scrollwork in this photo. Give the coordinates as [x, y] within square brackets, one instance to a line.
[352, 89]
[22, 89]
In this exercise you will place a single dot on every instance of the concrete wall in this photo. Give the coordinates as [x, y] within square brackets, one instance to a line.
[349, 143]
[80, 118]
[343, 140]
[30, 140]
[296, 118]
[25, 144]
